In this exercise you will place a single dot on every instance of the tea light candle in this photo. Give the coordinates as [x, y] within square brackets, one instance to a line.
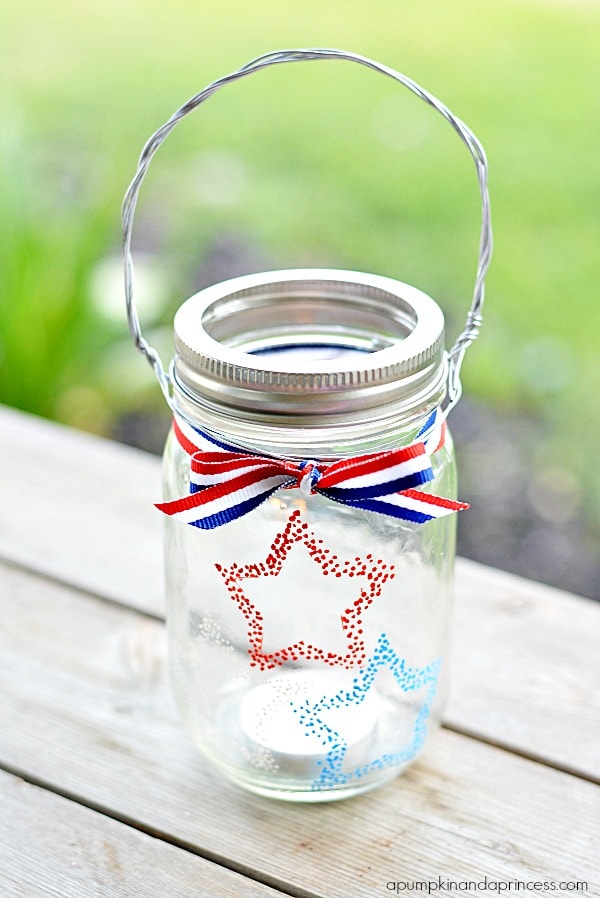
[271, 718]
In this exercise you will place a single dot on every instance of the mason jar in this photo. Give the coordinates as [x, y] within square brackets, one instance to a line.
[310, 507]
[308, 635]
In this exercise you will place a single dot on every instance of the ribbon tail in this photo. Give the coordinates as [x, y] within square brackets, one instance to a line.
[217, 505]
[410, 505]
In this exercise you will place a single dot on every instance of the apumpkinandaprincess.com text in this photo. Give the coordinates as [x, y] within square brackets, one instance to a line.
[485, 885]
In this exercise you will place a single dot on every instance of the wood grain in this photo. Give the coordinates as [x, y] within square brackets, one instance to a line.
[87, 711]
[54, 848]
[79, 508]
[526, 668]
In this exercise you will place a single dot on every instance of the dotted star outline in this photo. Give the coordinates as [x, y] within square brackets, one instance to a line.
[407, 678]
[374, 572]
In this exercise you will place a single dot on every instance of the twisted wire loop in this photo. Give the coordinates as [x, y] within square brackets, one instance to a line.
[470, 332]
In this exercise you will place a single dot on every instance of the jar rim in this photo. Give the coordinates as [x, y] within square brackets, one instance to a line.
[256, 343]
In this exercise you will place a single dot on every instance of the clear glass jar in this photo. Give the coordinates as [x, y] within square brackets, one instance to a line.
[308, 604]
[308, 638]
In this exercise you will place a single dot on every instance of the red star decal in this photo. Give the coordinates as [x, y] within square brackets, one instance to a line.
[372, 573]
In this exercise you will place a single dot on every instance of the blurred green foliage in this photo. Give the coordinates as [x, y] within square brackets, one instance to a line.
[315, 164]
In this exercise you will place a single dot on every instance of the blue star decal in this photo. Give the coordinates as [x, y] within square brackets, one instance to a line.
[407, 678]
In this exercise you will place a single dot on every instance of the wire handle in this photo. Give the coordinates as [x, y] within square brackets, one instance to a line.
[471, 330]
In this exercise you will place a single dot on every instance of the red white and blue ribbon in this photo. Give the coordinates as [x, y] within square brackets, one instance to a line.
[226, 484]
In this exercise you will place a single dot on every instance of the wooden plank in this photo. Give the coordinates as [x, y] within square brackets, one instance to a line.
[50, 846]
[526, 667]
[69, 500]
[86, 709]
[524, 656]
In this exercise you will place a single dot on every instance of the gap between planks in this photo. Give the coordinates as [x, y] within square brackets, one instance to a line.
[84, 591]
[459, 802]
[521, 753]
[169, 839]
[459, 729]
[59, 842]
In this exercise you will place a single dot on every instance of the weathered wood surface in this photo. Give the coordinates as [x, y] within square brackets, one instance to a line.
[87, 712]
[526, 668]
[79, 508]
[54, 848]
[118, 802]
[526, 665]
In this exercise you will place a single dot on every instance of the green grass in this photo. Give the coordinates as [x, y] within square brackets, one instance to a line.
[320, 163]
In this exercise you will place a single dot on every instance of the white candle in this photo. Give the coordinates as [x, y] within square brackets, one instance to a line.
[276, 717]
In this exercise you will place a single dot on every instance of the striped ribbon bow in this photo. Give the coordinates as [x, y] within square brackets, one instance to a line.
[227, 484]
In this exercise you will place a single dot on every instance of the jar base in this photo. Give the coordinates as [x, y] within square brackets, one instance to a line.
[271, 741]
[300, 794]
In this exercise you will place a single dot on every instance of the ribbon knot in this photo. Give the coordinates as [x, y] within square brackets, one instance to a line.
[226, 484]
[309, 477]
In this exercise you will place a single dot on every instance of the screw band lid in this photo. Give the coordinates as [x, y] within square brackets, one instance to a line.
[310, 342]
